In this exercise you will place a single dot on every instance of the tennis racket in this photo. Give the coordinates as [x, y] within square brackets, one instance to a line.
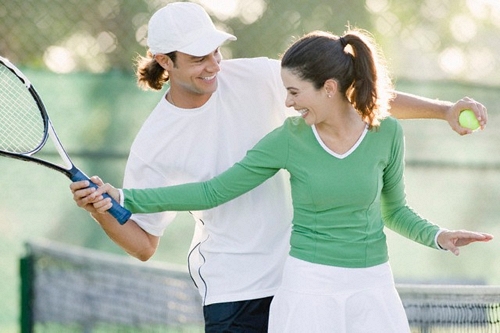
[25, 127]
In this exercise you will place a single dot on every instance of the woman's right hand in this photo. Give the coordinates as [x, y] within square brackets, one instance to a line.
[97, 200]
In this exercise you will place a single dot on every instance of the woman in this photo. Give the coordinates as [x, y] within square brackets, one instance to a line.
[345, 157]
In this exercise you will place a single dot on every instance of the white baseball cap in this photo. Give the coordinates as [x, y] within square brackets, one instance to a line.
[184, 27]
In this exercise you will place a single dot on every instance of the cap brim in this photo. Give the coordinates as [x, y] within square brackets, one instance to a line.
[207, 43]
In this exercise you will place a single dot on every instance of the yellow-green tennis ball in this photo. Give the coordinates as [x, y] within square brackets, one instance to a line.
[468, 120]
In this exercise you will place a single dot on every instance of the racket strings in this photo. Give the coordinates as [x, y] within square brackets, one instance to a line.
[22, 127]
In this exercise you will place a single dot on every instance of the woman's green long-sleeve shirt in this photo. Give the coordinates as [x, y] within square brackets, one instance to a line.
[340, 204]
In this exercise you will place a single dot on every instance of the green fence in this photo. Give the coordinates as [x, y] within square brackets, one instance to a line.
[440, 39]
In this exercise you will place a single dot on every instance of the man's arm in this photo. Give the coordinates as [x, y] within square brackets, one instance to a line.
[130, 237]
[407, 106]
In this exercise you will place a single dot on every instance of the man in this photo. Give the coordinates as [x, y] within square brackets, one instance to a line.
[220, 109]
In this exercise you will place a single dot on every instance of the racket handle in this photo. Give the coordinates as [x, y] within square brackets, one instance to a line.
[121, 214]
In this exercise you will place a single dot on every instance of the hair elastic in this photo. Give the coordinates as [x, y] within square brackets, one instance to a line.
[342, 42]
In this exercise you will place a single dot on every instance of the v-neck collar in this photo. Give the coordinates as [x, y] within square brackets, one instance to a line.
[334, 154]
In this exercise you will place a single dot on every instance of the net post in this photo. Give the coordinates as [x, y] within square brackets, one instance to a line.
[27, 278]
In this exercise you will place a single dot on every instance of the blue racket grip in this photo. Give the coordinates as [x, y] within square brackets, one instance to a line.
[121, 214]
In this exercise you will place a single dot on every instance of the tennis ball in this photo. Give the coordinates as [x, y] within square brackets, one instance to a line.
[468, 120]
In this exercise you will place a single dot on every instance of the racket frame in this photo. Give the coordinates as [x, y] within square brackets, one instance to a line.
[71, 171]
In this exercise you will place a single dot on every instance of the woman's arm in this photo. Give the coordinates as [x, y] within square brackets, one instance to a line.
[230, 184]
[407, 106]
[396, 214]
[261, 162]
[399, 217]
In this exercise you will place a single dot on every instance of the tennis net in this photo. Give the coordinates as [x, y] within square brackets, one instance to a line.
[452, 308]
[71, 289]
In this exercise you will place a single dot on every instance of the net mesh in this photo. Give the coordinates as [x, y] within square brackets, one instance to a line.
[77, 290]
[452, 309]
[80, 290]
[21, 124]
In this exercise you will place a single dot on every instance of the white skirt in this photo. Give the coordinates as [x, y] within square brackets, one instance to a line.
[321, 298]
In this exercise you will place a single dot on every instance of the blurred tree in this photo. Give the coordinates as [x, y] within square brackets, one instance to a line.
[285, 19]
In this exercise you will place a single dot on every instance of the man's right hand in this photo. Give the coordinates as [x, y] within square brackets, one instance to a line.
[82, 193]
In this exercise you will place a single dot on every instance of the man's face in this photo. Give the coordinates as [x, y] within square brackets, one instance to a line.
[194, 77]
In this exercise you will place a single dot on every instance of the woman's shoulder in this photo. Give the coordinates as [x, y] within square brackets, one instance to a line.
[291, 127]
[389, 121]
[389, 129]
[390, 124]
[295, 124]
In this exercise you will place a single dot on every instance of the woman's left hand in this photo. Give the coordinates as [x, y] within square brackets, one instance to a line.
[453, 239]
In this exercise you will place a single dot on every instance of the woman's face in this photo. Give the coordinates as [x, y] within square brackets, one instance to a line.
[304, 98]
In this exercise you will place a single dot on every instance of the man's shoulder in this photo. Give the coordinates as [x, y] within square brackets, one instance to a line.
[262, 73]
[248, 61]
[249, 64]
